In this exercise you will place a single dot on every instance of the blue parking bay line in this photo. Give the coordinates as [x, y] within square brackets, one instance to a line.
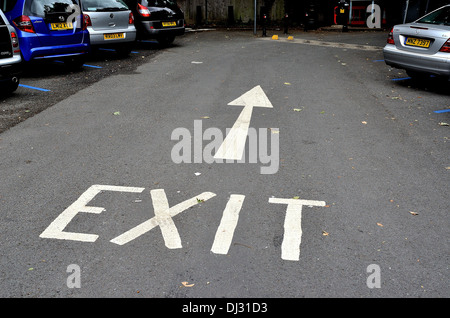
[401, 79]
[93, 66]
[36, 88]
[442, 111]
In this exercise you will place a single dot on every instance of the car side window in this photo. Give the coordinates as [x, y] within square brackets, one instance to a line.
[7, 5]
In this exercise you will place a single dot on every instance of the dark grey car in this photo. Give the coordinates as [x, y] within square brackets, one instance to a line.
[162, 20]
[422, 47]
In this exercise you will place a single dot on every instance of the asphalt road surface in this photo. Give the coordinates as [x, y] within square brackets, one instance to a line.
[117, 187]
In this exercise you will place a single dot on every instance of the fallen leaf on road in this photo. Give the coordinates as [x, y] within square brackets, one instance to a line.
[116, 113]
[324, 233]
[186, 284]
[379, 224]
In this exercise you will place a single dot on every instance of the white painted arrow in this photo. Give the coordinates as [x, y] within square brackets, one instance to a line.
[233, 146]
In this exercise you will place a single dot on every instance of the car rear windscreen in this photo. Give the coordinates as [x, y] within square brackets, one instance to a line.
[104, 5]
[5, 41]
[44, 8]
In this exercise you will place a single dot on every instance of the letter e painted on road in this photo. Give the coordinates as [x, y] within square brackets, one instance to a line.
[56, 229]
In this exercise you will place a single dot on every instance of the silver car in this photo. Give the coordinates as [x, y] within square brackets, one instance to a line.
[422, 47]
[110, 24]
[9, 57]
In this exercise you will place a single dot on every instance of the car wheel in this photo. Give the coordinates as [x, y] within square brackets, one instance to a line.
[166, 40]
[417, 76]
[14, 85]
[123, 51]
[74, 64]
[9, 88]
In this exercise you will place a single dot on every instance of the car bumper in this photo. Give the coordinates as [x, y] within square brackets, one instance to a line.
[59, 52]
[153, 29]
[98, 37]
[437, 64]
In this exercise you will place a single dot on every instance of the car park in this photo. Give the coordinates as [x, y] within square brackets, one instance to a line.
[49, 29]
[162, 20]
[422, 47]
[110, 24]
[9, 57]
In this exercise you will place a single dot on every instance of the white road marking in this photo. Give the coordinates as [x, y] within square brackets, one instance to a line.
[169, 230]
[56, 229]
[233, 146]
[163, 219]
[230, 217]
[290, 247]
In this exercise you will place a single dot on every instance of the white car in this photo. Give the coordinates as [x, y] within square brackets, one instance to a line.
[110, 24]
[422, 47]
[9, 57]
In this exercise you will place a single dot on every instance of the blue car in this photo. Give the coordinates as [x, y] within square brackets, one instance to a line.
[49, 29]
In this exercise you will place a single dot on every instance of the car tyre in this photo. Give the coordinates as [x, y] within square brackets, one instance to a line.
[123, 51]
[166, 40]
[417, 76]
[74, 64]
[10, 88]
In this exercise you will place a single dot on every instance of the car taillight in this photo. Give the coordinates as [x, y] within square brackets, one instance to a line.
[390, 39]
[86, 21]
[446, 47]
[131, 18]
[15, 42]
[23, 23]
[143, 11]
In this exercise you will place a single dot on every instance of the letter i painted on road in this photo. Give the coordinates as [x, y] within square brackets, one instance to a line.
[230, 217]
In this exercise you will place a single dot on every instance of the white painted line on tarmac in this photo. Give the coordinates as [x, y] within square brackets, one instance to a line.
[233, 146]
[230, 217]
[160, 219]
[56, 229]
[290, 247]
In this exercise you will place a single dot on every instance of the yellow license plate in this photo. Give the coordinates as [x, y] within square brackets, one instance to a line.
[61, 26]
[167, 24]
[418, 42]
[112, 36]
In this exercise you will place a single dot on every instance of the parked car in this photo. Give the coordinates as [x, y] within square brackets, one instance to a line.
[9, 57]
[162, 20]
[49, 29]
[110, 24]
[422, 47]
